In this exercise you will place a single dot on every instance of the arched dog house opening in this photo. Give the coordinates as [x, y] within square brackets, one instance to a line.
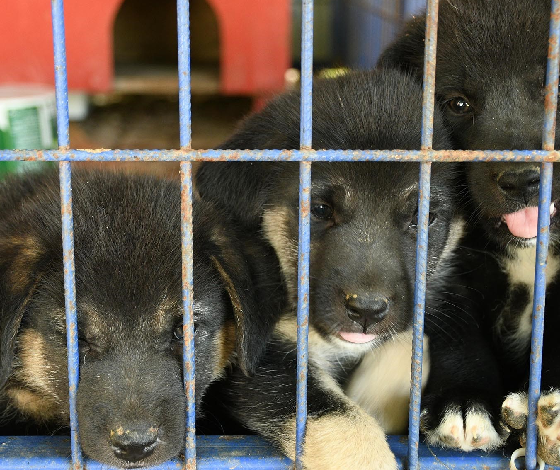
[254, 42]
[145, 48]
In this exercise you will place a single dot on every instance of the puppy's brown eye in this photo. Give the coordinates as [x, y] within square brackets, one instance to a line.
[322, 211]
[459, 105]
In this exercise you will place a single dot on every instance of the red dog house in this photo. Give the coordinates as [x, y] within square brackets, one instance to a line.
[253, 44]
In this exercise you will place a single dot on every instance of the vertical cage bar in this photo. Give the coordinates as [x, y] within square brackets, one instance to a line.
[545, 191]
[70, 304]
[538, 314]
[304, 229]
[551, 87]
[188, 318]
[429, 80]
[428, 100]
[303, 306]
[60, 76]
[306, 74]
[418, 321]
[183, 34]
[62, 119]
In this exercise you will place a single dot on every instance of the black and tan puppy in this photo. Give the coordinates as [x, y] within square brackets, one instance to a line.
[363, 236]
[130, 399]
[490, 72]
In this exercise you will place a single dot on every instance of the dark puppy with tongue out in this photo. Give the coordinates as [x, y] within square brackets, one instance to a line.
[490, 84]
[497, 276]
[479, 322]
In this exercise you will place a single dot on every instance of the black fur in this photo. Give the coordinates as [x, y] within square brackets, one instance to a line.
[363, 235]
[492, 55]
[490, 73]
[131, 402]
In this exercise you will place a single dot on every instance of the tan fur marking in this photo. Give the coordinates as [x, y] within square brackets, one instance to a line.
[275, 222]
[225, 346]
[342, 441]
[234, 297]
[28, 252]
[220, 237]
[161, 317]
[35, 370]
[33, 404]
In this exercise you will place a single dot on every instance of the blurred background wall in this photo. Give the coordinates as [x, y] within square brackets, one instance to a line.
[122, 60]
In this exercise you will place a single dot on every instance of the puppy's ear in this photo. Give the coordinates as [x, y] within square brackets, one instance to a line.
[407, 51]
[19, 260]
[241, 187]
[257, 301]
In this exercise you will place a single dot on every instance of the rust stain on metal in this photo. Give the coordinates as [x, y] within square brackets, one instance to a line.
[185, 154]
[190, 466]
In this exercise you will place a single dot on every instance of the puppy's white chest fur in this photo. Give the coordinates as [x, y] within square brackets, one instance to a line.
[520, 269]
[381, 383]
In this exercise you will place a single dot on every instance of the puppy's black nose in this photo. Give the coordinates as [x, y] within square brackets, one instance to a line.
[522, 185]
[134, 444]
[366, 308]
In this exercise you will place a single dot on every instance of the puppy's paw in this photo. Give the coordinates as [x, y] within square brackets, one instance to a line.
[514, 411]
[514, 414]
[548, 422]
[346, 441]
[458, 424]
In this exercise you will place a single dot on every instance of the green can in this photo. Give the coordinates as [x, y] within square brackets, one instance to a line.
[27, 122]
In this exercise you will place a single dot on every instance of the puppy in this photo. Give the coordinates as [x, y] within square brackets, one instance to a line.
[363, 238]
[489, 82]
[130, 399]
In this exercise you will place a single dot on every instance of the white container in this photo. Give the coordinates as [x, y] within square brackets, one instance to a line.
[27, 117]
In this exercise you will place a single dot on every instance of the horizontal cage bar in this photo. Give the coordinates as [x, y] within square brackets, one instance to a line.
[307, 155]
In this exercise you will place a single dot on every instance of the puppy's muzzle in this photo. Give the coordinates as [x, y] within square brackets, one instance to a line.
[134, 443]
[521, 186]
[366, 308]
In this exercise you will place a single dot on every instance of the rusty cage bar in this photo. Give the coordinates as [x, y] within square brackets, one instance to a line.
[209, 452]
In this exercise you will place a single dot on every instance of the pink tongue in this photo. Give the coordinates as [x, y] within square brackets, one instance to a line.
[357, 337]
[523, 223]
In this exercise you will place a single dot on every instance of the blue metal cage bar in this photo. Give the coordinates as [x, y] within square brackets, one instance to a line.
[545, 191]
[188, 315]
[62, 115]
[307, 155]
[428, 103]
[306, 137]
[184, 62]
[42, 452]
